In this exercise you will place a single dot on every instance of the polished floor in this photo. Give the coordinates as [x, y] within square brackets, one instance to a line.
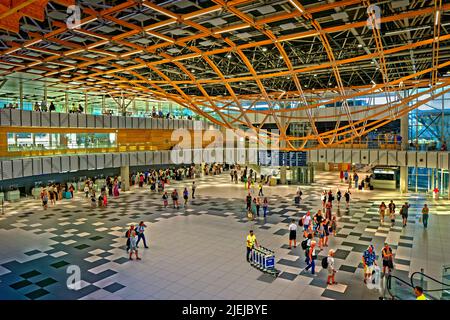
[199, 252]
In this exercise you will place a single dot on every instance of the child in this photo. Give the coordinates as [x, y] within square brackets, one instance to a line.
[86, 190]
[333, 225]
[93, 201]
[392, 217]
[165, 198]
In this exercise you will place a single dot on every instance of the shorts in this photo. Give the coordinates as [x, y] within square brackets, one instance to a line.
[368, 269]
[330, 271]
[306, 227]
[293, 235]
[388, 263]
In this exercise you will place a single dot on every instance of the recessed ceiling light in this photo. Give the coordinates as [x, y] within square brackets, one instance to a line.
[315, 75]
[264, 49]
[281, 57]
[372, 62]
[329, 83]
[193, 71]
[229, 56]
[360, 45]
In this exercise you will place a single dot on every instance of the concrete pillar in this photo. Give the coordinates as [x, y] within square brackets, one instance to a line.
[403, 179]
[20, 95]
[125, 175]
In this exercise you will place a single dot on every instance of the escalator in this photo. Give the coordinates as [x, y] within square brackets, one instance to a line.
[396, 288]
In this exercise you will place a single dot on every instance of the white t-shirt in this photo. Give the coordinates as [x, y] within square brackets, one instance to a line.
[306, 220]
[292, 227]
[330, 263]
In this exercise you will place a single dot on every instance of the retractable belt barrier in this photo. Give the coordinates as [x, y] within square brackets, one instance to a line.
[264, 260]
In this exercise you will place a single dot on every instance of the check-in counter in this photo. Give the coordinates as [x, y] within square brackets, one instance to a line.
[13, 195]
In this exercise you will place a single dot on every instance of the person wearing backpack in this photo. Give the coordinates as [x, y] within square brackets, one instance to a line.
[312, 256]
[328, 263]
[306, 244]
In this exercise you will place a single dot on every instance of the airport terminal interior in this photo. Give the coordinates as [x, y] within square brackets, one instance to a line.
[224, 150]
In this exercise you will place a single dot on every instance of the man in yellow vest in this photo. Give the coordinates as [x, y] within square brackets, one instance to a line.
[251, 242]
[419, 293]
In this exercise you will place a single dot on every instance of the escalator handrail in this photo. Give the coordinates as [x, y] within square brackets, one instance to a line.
[388, 285]
[427, 276]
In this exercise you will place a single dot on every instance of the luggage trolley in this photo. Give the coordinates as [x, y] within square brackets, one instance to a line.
[264, 260]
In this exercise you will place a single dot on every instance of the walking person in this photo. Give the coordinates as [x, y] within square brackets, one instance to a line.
[292, 234]
[257, 205]
[328, 208]
[356, 179]
[425, 215]
[333, 225]
[392, 212]
[248, 201]
[312, 256]
[140, 234]
[382, 211]
[341, 176]
[251, 243]
[369, 260]
[338, 196]
[133, 239]
[193, 189]
[44, 198]
[260, 187]
[346, 175]
[347, 198]
[175, 199]
[388, 258]
[86, 191]
[185, 197]
[165, 198]
[265, 206]
[306, 221]
[404, 213]
[331, 269]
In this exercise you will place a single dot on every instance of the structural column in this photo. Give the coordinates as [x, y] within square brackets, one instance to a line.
[125, 175]
[283, 172]
[20, 95]
[66, 101]
[404, 146]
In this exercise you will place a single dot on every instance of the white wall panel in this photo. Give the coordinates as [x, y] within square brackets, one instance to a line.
[92, 164]
[45, 119]
[347, 156]
[157, 157]
[411, 158]
[7, 169]
[356, 156]
[64, 120]
[133, 159]
[108, 160]
[98, 121]
[46, 165]
[373, 156]
[383, 157]
[5, 117]
[313, 155]
[422, 159]
[322, 156]
[432, 159]
[124, 159]
[148, 123]
[17, 168]
[165, 157]
[26, 118]
[15, 118]
[37, 166]
[90, 121]
[27, 167]
[82, 120]
[149, 157]
[100, 161]
[128, 122]
[106, 121]
[54, 119]
[83, 162]
[339, 156]
[330, 155]
[74, 163]
[114, 122]
[73, 120]
[141, 159]
[56, 164]
[117, 160]
[141, 123]
[392, 158]
[135, 122]
[122, 122]
[35, 119]
[443, 160]
[65, 163]
[364, 157]
[401, 158]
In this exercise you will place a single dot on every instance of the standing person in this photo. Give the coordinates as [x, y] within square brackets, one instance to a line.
[331, 269]
[369, 260]
[324, 199]
[248, 201]
[388, 258]
[347, 198]
[71, 189]
[318, 218]
[260, 187]
[327, 228]
[292, 234]
[356, 179]
[265, 206]
[321, 233]
[425, 214]
[52, 195]
[116, 189]
[133, 247]
[418, 291]
[165, 198]
[232, 175]
[392, 212]
[257, 205]
[235, 176]
[341, 176]
[44, 198]
[185, 197]
[404, 213]
[382, 210]
[333, 225]
[312, 257]
[306, 220]
[86, 190]
[328, 207]
[338, 196]
[140, 234]
[175, 199]
[346, 175]
[251, 243]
